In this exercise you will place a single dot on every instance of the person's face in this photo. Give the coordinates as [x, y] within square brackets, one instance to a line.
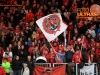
[77, 52]
[46, 52]
[5, 60]
[6, 56]
[17, 57]
[36, 48]
[22, 33]
[29, 57]
[22, 46]
[24, 65]
[10, 46]
[19, 43]
[93, 49]
[7, 49]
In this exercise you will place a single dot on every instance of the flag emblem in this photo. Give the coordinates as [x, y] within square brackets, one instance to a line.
[51, 24]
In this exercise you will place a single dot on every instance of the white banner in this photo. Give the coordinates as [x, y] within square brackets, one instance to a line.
[87, 70]
[51, 26]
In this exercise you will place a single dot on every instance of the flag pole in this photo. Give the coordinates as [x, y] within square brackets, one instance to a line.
[65, 40]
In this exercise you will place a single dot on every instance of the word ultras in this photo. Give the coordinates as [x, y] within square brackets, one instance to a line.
[85, 12]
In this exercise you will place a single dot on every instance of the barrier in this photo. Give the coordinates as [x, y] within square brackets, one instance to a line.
[96, 69]
[76, 69]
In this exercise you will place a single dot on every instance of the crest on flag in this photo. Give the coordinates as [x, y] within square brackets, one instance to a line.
[51, 24]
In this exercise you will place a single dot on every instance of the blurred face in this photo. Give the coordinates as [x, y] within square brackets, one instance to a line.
[29, 57]
[46, 52]
[36, 48]
[7, 49]
[93, 49]
[17, 57]
[22, 46]
[19, 43]
[97, 45]
[60, 51]
[6, 56]
[77, 51]
[10, 45]
[24, 65]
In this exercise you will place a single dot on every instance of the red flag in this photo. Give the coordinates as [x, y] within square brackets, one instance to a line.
[59, 70]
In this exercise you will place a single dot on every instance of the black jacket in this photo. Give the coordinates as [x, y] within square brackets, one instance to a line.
[30, 65]
[16, 65]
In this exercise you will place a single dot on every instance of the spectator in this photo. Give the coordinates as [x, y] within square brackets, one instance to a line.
[6, 66]
[60, 55]
[92, 32]
[69, 54]
[2, 71]
[9, 53]
[77, 57]
[17, 66]
[6, 57]
[36, 52]
[26, 69]
[23, 53]
[30, 64]
[91, 55]
[29, 16]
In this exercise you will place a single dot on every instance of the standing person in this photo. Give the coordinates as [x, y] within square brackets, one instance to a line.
[6, 66]
[30, 64]
[16, 66]
[26, 69]
[2, 71]
[77, 57]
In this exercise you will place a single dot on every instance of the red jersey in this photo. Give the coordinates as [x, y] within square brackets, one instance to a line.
[92, 44]
[38, 15]
[17, 32]
[43, 49]
[77, 58]
[29, 16]
[97, 54]
[8, 59]
[52, 58]
[30, 49]
[89, 55]
[2, 71]
[47, 56]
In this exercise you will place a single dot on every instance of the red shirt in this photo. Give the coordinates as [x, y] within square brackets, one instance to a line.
[47, 56]
[77, 58]
[17, 32]
[92, 44]
[29, 16]
[97, 54]
[89, 56]
[8, 59]
[2, 71]
[52, 58]
[43, 49]
[30, 50]
[38, 15]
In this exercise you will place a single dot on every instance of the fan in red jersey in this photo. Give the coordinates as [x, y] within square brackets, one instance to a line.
[91, 55]
[39, 14]
[77, 57]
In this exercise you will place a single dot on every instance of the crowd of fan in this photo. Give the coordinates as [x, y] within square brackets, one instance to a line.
[21, 40]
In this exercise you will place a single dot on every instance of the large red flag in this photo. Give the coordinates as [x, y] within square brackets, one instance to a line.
[59, 70]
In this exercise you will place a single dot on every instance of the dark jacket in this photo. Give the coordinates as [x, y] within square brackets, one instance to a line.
[16, 65]
[30, 65]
